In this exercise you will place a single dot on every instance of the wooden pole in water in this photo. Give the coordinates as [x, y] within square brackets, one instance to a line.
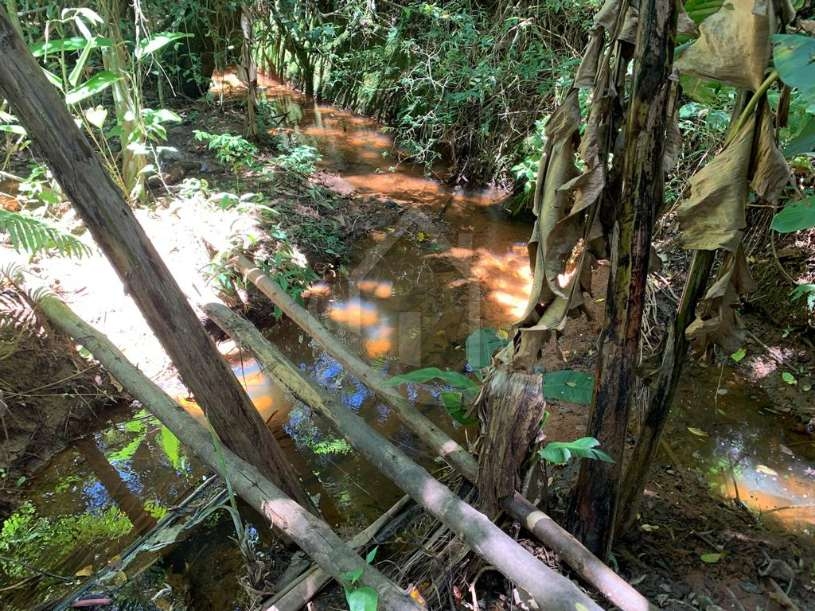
[550, 533]
[313, 535]
[551, 590]
[113, 225]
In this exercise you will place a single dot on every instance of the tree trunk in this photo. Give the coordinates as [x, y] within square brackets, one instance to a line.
[597, 492]
[310, 533]
[248, 73]
[144, 275]
[659, 405]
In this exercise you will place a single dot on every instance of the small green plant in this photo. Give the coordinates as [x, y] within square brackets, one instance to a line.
[34, 235]
[300, 159]
[360, 598]
[230, 149]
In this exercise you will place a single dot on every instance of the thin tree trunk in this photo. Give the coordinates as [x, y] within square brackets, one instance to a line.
[248, 73]
[597, 492]
[144, 275]
[587, 565]
[312, 534]
[659, 405]
[550, 590]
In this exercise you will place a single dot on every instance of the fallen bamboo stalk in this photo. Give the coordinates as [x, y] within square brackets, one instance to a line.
[309, 532]
[588, 566]
[550, 589]
[446, 447]
[306, 586]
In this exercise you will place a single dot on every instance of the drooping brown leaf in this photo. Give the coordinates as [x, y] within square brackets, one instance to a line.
[713, 216]
[733, 45]
[717, 321]
[552, 204]
[771, 173]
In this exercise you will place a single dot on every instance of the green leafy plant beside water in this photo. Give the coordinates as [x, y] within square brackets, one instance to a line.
[232, 150]
[30, 540]
[360, 598]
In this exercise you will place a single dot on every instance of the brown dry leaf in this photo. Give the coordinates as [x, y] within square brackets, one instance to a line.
[684, 24]
[718, 321]
[552, 205]
[584, 77]
[772, 173]
[733, 45]
[713, 216]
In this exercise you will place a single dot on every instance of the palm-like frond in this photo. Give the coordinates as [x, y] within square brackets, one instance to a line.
[34, 235]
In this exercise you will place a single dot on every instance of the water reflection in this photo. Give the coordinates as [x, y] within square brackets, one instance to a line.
[744, 452]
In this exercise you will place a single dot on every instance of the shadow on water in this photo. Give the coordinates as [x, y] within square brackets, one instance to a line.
[409, 298]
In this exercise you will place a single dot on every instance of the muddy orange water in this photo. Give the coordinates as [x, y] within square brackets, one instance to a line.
[408, 298]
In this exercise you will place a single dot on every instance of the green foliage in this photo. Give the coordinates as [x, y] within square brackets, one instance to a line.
[461, 79]
[331, 446]
[230, 149]
[34, 235]
[568, 385]
[793, 58]
[300, 159]
[455, 401]
[360, 598]
[40, 542]
[807, 292]
[561, 452]
[699, 10]
[795, 216]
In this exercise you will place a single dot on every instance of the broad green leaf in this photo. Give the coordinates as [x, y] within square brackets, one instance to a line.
[560, 452]
[568, 385]
[795, 216]
[789, 378]
[158, 41]
[73, 77]
[454, 404]
[362, 599]
[803, 142]
[794, 58]
[699, 10]
[422, 376]
[76, 43]
[353, 576]
[481, 344]
[711, 558]
[739, 355]
[13, 129]
[98, 82]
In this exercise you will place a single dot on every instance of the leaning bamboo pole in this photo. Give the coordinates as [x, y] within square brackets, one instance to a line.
[313, 535]
[551, 590]
[613, 587]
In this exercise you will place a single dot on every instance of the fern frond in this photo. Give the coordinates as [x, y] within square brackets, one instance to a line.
[33, 235]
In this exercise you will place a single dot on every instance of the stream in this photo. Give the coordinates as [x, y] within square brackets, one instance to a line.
[408, 298]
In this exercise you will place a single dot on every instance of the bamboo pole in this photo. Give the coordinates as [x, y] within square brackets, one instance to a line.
[145, 277]
[551, 590]
[613, 587]
[306, 586]
[309, 532]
